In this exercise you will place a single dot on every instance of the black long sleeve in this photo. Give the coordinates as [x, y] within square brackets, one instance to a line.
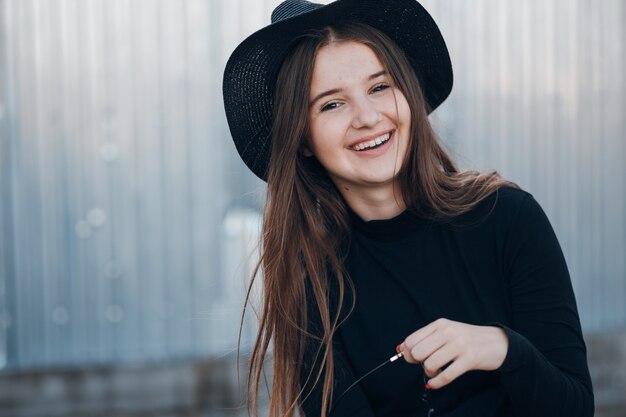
[545, 372]
[500, 264]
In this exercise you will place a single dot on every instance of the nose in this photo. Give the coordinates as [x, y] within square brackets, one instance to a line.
[365, 114]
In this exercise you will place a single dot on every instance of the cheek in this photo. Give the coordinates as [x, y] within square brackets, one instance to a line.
[318, 143]
[315, 136]
[325, 135]
[404, 120]
[404, 112]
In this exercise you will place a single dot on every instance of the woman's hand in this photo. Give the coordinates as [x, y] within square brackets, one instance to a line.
[447, 349]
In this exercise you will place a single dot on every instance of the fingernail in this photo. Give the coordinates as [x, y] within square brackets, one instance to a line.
[427, 385]
[398, 348]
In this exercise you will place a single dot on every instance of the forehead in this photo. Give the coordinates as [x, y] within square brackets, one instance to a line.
[343, 63]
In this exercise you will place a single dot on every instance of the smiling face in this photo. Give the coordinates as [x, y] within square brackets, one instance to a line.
[359, 120]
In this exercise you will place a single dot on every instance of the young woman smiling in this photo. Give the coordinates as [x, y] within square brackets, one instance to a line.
[375, 243]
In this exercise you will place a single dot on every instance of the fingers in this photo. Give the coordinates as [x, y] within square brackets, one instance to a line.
[424, 348]
[436, 362]
[449, 374]
[430, 347]
[413, 351]
[447, 349]
[424, 332]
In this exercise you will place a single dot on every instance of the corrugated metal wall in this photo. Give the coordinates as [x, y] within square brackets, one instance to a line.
[540, 95]
[122, 194]
[117, 175]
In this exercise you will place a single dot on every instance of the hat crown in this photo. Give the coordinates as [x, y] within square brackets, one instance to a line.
[291, 8]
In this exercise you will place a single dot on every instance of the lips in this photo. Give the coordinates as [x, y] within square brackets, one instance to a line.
[372, 143]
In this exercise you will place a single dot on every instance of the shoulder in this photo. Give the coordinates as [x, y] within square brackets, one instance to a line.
[517, 219]
[508, 197]
[510, 202]
[515, 205]
[501, 207]
[508, 214]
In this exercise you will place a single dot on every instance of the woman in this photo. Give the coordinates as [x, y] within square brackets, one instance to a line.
[373, 239]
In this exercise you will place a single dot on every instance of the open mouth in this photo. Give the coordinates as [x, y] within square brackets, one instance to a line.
[372, 144]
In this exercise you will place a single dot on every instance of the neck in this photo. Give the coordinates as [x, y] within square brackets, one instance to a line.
[376, 204]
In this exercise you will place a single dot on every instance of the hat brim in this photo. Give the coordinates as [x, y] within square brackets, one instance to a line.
[250, 73]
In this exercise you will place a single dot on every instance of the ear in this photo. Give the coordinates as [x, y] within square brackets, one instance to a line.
[306, 151]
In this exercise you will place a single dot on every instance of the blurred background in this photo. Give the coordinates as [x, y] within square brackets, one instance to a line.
[129, 225]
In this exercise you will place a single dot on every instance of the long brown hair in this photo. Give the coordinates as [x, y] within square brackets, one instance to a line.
[306, 218]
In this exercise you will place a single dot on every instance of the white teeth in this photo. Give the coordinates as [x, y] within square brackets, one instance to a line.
[374, 142]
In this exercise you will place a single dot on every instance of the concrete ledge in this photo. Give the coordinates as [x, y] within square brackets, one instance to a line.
[172, 389]
[209, 388]
[606, 353]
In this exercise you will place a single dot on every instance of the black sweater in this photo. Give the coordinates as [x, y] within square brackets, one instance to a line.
[500, 264]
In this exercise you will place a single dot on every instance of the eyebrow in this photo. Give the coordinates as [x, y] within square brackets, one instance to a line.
[338, 90]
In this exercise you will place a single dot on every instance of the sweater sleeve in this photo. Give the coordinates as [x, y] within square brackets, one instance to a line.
[545, 371]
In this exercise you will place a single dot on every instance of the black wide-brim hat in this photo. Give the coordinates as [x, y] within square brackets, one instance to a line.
[252, 69]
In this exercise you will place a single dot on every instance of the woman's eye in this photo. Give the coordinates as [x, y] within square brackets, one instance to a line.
[380, 87]
[330, 106]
